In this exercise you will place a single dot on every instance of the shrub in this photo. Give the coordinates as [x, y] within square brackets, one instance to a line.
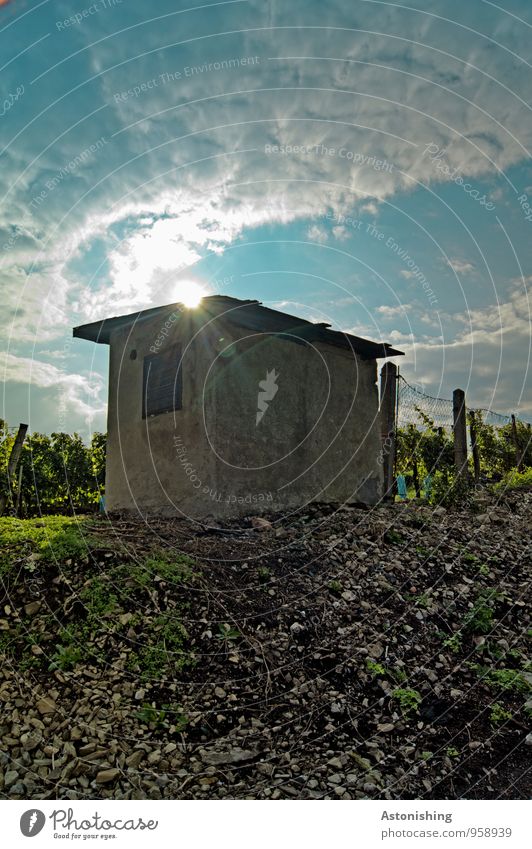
[59, 473]
[450, 491]
[515, 480]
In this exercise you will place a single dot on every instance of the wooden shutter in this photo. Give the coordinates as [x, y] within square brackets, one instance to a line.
[162, 385]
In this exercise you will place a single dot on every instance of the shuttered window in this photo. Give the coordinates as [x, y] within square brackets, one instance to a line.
[162, 385]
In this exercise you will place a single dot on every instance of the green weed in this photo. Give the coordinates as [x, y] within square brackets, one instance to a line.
[393, 537]
[98, 598]
[227, 633]
[375, 669]
[505, 680]
[165, 649]
[515, 480]
[24, 542]
[171, 568]
[453, 643]
[408, 699]
[169, 715]
[66, 657]
[479, 620]
[472, 559]
[499, 714]
[399, 675]
[423, 600]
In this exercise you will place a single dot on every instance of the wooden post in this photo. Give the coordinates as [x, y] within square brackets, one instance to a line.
[460, 433]
[19, 492]
[518, 453]
[474, 445]
[387, 412]
[415, 477]
[13, 463]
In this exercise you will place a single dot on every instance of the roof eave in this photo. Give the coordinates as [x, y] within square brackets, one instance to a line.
[92, 332]
[100, 331]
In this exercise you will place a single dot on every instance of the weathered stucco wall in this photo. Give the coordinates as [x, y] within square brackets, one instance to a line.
[318, 439]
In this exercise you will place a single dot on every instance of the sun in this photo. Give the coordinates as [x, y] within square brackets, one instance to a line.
[189, 293]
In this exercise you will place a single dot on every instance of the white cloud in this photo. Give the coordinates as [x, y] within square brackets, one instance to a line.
[316, 234]
[371, 208]
[72, 393]
[140, 166]
[489, 358]
[460, 266]
[36, 304]
[185, 170]
[340, 233]
[390, 312]
[507, 319]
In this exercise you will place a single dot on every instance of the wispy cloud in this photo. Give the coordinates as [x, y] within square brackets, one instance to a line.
[74, 393]
[185, 170]
[489, 356]
[316, 234]
[460, 266]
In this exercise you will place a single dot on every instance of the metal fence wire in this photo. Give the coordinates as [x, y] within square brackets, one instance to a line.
[413, 403]
[491, 444]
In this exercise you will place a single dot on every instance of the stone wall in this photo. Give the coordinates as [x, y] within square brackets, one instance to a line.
[317, 439]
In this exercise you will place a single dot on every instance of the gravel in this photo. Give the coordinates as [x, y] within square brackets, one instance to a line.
[304, 635]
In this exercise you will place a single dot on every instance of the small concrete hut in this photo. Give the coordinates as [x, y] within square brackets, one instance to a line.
[233, 408]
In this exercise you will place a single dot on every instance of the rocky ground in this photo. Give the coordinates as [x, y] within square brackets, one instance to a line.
[340, 654]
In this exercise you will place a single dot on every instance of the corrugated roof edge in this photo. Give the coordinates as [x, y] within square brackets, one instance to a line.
[250, 314]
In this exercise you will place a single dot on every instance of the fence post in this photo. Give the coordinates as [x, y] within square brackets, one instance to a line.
[388, 402]
[515, 438]
[460, 433]
[19, 492]
[12, 464]
[474, 445]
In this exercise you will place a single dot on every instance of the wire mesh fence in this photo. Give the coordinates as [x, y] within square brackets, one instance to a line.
[489, 417]
[413, 404]
[415, 407]
[427, 437]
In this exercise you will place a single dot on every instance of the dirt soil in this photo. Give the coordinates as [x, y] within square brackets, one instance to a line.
[338, 653]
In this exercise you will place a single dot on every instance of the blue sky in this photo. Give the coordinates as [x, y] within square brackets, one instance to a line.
[366, 163]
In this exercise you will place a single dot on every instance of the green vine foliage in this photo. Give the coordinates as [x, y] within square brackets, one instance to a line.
[425, 449]
[60, 473]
